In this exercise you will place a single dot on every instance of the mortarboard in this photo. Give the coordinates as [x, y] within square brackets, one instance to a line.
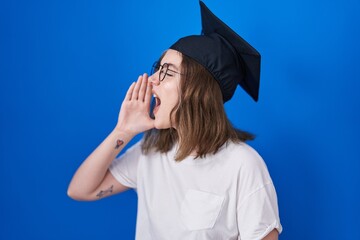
[227, 56]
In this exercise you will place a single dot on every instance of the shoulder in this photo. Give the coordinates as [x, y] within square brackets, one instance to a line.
[242, 153]
[135, 148]
[132, 152]
[245, 160]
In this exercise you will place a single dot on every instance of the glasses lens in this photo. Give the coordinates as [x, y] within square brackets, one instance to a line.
[163, 71]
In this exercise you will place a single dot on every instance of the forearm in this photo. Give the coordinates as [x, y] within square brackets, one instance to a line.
[133, 119]
[92, 171]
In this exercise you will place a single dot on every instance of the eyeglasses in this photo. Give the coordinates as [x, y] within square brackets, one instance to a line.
[163, 70]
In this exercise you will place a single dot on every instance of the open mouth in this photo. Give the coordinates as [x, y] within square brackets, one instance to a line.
[154, 106]
[157, 104]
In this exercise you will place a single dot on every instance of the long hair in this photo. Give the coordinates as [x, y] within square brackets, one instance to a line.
[200, 119]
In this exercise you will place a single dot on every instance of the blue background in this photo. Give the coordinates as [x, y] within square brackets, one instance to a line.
[64, 70]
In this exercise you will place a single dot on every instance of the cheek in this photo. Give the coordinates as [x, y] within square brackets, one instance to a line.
[173, 100]
[172, 97]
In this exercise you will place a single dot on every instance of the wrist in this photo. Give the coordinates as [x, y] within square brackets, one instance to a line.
[122, 134]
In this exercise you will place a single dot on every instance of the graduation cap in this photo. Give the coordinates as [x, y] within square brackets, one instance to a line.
[227, 56]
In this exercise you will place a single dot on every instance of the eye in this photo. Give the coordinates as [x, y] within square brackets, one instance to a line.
[168, 74]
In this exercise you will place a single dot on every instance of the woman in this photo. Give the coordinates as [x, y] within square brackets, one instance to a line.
[195, 176]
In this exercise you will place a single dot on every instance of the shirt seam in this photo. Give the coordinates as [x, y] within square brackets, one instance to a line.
[253, 192]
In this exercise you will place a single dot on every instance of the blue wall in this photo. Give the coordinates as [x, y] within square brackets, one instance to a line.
[65, 67]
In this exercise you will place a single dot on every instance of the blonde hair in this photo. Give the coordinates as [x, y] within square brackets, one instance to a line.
[200, 119]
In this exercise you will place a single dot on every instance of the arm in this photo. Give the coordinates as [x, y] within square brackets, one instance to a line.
[93, 180]
[273, 235]
[93, 176]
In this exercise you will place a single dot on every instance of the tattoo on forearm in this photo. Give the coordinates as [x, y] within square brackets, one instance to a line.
[103, 192]
[119, 143]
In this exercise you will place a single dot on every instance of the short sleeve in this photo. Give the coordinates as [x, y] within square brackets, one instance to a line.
[124, 168]
[258, 215]
[257, 206]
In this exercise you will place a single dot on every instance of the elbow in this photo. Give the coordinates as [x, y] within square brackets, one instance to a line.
[71, 194]
[75, 195]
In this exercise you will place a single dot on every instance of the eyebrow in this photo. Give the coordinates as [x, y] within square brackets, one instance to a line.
[172, 65]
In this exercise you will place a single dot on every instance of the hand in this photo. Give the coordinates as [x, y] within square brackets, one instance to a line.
[134, 113]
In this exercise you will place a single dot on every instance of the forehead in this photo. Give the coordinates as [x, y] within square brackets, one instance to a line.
[173, 57]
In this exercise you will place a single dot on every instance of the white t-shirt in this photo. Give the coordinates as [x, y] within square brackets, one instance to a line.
[229, 195]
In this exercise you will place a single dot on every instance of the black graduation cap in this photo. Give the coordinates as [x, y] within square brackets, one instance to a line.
[227, 56]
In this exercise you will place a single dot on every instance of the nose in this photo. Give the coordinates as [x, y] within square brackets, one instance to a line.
[154, 79]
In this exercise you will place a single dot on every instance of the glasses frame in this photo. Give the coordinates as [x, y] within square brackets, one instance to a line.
[157, 67]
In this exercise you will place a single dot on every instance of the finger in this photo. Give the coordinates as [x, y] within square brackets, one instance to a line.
[148, 94]
[143, 87]
[135, 93]
[130, 91]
